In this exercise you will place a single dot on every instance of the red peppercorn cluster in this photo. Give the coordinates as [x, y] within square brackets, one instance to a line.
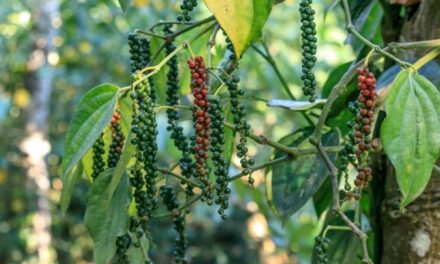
[117, 139]
[201, 116]
[364, 122]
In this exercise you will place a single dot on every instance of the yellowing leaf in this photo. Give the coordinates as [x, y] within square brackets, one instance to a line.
[242, 21]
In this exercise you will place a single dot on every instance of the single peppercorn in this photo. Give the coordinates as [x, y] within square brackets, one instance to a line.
[98, 157]
[117, 140]
[308, 48]
[240, 125]
[186, 7]
[217, 152]
[180, 243]
[180, 140]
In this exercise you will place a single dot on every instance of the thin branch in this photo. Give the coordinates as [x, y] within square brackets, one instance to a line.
[147, 33]
[294, 152]
[178, 210]
[180, 177]
[174, 35]
[262, 166]
[211, 44]
[434, 43]
[351, 28]
[336, 206]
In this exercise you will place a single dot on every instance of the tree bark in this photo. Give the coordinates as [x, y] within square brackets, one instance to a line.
[36, 144]
[414, 237]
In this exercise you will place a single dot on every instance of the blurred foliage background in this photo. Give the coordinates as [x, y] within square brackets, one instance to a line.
[89, 48]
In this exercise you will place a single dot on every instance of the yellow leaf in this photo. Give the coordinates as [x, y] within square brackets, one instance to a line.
[242, 20]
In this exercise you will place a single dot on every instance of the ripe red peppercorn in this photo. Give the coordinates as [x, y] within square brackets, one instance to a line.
[201, 115]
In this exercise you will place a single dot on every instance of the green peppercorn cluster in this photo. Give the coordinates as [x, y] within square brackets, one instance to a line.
[308, 48]
[144, 128]
[140, 55]
[321, 248]
[347, 154]
[117, 140]
[218, 160]
[187, 6]
[172, 204]
[98, 157]
[180, 140]
[241, 125]
[140, 52]
[122, 244]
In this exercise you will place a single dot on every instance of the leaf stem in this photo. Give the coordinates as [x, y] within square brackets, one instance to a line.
[427, 58]
[333, 227]
[351, 28]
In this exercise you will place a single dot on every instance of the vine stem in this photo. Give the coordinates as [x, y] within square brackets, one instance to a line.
[336, 203]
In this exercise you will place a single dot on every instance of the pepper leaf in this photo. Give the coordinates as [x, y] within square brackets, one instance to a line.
[243, 21]
[411, 132]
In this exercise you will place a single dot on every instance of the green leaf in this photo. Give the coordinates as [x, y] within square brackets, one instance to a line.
[93, 114]
[411, 132]
[106, 222]
[243, 21]
[124, 4]
[71, 180]
[295, 182]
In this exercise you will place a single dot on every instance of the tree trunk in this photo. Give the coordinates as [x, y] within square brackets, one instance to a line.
[36, 145]
[414, 237]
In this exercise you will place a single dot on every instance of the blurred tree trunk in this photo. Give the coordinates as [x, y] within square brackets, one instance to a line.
[414, 237]
[35, 145]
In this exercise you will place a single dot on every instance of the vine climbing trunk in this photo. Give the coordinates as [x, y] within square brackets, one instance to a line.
[414, 237]
[35, 145]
